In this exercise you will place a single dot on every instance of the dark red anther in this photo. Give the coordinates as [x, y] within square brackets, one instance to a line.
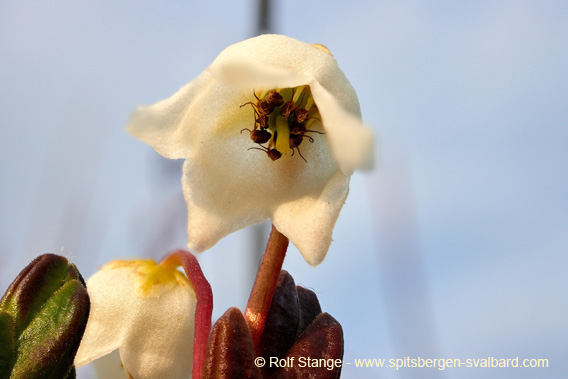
[261, 121]
[286, 109]
[274, 99]
[300, 115]
[274, 154]
[300, 129]
[297, 128]
[295, 140]
[260, 136]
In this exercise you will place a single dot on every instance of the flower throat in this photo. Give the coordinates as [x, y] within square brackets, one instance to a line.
[282, 118]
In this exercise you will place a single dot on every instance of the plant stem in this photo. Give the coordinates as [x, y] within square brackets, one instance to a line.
[203, 309]
[264, 284]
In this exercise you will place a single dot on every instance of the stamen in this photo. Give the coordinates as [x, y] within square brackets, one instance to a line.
[274, 99]
[251, 103]
[310, 103]
[260, 136]
[281, 120]
[301, 115]
[262, 121]
[258, 148]
[297, 94]
[295, 141]
[299, 152]
[313, 131]
[272, 153]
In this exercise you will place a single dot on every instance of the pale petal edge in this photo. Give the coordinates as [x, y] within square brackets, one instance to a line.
[352, 142]
[162, 125]
[309, 222]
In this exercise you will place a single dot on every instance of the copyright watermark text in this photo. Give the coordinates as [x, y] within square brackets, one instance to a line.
[444, 363]
[402, 363]
[302, 362]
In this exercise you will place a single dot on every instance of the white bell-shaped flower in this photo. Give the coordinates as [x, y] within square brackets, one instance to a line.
[147, 312]
[272, 129]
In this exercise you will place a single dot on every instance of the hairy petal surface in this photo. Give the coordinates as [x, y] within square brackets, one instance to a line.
[153, 331]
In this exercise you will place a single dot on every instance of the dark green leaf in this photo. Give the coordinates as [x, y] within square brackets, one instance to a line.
[49, 307]
[7, 344]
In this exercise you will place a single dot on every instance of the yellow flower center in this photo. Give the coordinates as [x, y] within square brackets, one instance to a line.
[150, 279]
[281, 120]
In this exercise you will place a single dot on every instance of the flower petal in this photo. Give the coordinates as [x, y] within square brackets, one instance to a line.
[159, 342]
[110, 292]
[162, 124]
[351, 141]
[268, 56]
[154, 334]
[227, 187]
[308, 222]
[172, 126]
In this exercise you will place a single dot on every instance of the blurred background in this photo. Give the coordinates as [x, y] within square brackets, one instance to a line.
[453, 247]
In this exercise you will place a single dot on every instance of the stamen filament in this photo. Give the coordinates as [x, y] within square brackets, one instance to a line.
[309, 103]
[297, 94]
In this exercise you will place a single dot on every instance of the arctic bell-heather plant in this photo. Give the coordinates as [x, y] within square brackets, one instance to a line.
[271, 129]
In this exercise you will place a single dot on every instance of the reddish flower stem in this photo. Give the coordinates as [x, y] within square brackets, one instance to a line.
[204, 306]
[264, 284]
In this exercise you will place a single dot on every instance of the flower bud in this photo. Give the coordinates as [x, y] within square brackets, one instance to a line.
[309, 307]
[230, 353]
[322, 345]
[295, 327]
[42, 319]
[281, 328]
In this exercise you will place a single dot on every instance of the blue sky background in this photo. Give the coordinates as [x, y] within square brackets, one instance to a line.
[453, 247]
